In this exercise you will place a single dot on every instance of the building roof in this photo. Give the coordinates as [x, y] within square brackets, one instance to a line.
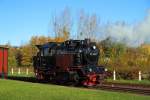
[4, 46]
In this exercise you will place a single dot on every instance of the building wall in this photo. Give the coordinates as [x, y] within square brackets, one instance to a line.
[3, 62]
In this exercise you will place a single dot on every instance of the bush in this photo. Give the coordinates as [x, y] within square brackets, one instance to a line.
[130, 74]
[148, 76]
[124, 74]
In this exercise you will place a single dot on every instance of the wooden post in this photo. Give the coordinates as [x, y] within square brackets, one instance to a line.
[12, 71]
[27, 71]
[19, 71]
[139, 75]
[114, 75]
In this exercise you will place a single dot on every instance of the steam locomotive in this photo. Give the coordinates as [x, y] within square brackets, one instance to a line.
[72, 61]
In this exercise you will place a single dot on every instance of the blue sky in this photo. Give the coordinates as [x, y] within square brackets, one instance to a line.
[21, 19]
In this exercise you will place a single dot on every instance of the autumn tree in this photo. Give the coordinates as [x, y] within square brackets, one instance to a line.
[111, 52]
[26, 55]
[88, 25]
[62, 24]
[29, 50]
[18, 56]
[12, 62]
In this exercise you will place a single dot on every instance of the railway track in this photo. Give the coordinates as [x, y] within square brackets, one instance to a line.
[129, 88]
[125, 88]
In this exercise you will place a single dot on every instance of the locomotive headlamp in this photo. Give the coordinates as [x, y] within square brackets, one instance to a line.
[106, 69]
[90, 70]
[94, 47]
[80, 51]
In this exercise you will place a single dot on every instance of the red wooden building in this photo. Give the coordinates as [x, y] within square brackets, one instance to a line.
[3, 61]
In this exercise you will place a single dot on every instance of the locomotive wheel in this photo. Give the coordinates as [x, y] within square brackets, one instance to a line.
[62, 78]
[39, 76]
[76, 79]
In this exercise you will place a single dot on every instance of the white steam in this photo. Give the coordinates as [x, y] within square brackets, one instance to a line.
[133, 35]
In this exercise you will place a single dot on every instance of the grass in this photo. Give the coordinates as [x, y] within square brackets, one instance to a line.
[16, 90]
[142, 82]
[23, 74]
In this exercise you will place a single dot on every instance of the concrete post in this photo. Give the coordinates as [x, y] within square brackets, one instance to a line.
[12, 71]
[139, 75]
[27, 71]
[114, 75]
[19, 71]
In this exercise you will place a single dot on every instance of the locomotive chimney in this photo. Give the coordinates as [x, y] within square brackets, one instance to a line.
[87, 40]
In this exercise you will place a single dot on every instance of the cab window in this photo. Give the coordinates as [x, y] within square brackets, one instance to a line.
[46, 51]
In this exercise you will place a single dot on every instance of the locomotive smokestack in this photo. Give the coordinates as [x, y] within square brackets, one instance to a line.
[87, 40]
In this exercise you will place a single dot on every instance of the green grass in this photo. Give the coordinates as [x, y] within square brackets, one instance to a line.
[142, 82]
[15, 90]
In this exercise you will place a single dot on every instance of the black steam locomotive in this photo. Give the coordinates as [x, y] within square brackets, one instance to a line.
[72, 61]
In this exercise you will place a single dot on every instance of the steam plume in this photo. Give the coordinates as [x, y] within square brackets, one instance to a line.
[134, 34]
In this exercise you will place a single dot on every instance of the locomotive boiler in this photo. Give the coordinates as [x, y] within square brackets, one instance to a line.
[71, 61]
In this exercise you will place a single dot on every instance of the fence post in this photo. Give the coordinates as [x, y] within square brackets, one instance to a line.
[18, 70]
[114, 75]
[27, 71]
[139, 75]
[12, 71]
